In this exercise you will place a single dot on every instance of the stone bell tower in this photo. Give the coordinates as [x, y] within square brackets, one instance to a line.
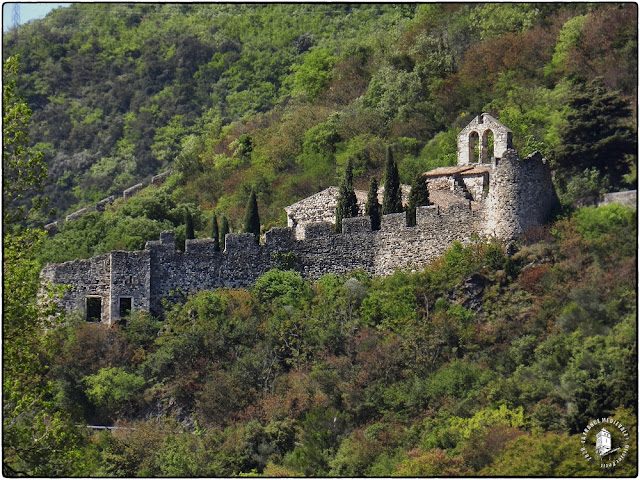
[483, 132]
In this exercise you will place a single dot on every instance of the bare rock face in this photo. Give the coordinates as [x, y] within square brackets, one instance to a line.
[470, 292]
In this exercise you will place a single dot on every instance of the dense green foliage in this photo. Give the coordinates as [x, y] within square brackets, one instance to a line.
[477, 360]
[595, 135]
[483, 363]
[38, 438]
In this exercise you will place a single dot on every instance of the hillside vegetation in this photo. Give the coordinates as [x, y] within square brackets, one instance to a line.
[487, 362]
[278, 97]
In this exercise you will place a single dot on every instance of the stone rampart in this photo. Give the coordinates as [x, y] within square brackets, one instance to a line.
[131, 191]
[77, 214]
[144, 278]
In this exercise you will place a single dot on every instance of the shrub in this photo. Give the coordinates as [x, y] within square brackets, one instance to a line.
[282, 287]
[113, 389]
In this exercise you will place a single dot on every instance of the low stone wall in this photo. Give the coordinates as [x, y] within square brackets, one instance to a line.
[131, 191]
[628, 198]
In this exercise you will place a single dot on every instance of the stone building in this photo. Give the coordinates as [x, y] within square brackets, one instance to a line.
[491, 194]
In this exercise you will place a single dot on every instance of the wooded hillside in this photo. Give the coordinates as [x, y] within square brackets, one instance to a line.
[488, 362]
[278, 97]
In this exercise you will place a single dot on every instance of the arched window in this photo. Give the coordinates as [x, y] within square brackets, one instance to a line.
[487, 146]
[474, 147]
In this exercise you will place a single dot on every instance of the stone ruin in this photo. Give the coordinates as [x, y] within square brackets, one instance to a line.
[491, 192]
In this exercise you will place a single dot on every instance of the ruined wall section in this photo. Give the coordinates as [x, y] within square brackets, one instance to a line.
[521, 195]
[85, 278]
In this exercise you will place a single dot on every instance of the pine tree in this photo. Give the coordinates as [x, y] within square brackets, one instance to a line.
[252, 217]
[224, 229]
[392, 200]
[188, 221]
[372, 208]
[597, 134]
[418, 197]
[215, 234]
[347, 206]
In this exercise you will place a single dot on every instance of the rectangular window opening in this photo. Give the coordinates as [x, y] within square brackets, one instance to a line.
[94, 309]
[125, 306]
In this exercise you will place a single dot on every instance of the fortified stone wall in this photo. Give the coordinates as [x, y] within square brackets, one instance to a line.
[160, 272]
[501, 199]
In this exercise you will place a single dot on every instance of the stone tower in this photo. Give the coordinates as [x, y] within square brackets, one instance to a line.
[482, 132]
[521, 195]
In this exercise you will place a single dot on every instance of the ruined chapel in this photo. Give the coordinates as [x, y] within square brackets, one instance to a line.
[491, 192]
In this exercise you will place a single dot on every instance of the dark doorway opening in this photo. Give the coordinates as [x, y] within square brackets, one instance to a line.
[125, 306]
[94, 309]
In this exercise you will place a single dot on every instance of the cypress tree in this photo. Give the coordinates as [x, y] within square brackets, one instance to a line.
[392, 200]
[418, 197]
[188, 221]
[224, 229]
[347, 206]
[215, 234]
[372, 208]
[251, 216]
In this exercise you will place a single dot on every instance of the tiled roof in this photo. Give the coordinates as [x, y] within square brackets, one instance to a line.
[444, 198]
[458, 169]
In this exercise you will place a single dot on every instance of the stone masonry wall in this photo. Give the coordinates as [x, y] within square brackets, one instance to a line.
[160, 272]
[85, 277]
[520, 195]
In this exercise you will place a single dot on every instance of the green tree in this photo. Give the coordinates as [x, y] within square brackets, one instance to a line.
[188, 221]
[215, 234]
[23, 168]
[392, 200]
[418, 196]
[224, 229]
[347, 206]
[37, 439]
[252, 217]
[315, 72]
[372, 208]
[597, 133]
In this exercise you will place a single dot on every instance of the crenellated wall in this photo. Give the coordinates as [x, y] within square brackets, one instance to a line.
[160, 272]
